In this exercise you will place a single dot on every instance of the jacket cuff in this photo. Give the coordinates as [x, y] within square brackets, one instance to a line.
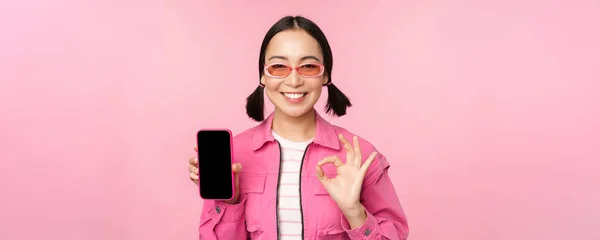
[222, 211]
[368, 230]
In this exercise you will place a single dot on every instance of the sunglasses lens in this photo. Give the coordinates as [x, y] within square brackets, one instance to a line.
[310, 70]
[279, 70]
[306, 70]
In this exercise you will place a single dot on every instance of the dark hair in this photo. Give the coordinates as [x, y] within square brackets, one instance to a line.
[336, 101]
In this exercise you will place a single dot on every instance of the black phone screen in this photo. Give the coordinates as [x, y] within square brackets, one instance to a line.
[214, 163]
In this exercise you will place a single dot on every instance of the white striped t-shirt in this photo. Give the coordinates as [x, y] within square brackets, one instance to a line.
[290, 216]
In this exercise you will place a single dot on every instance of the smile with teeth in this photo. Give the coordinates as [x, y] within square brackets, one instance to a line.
[294, 95]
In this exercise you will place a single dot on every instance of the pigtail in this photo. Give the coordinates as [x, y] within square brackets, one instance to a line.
[255, 104]
[336, 101]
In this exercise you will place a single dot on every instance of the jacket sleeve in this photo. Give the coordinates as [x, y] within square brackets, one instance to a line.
[385, 217]
[223, 221]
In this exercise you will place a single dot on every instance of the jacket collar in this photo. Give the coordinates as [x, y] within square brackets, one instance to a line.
[325, 136]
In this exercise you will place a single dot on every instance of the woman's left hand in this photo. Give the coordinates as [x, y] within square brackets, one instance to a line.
[346, 187]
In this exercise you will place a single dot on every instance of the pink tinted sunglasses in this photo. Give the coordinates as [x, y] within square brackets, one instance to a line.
[280, 70]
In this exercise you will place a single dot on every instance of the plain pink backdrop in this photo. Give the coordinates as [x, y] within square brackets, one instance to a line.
[489, 111]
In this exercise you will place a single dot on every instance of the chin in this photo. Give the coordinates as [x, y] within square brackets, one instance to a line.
[296, 112]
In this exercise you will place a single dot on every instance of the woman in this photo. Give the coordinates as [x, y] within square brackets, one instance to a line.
[298, 176]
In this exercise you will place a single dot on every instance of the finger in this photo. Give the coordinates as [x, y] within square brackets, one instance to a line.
[349, 150]
[365, 167]
[196, 147]
[321, 175]
[193, 176]
[192, 168]
[331, 159]
[345, 143]
[194, 161]
[357, 152]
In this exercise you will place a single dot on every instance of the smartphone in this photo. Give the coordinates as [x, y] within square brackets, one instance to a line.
[215, 157]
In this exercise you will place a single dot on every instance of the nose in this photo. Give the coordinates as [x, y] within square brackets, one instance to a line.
[294, 80]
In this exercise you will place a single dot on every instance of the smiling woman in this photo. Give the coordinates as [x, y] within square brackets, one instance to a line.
[293, 94]
[324, 186]
[296, 44]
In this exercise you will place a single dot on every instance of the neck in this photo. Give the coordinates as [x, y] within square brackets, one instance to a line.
[297, 129]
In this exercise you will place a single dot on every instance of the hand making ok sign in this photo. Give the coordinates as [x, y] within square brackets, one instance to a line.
[346, 187]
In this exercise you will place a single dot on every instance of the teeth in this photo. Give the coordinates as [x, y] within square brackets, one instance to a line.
[294, 95]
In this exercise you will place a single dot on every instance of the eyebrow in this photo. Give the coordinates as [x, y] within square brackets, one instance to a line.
[301, 59]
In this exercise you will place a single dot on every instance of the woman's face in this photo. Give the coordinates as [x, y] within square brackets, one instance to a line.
[294, 94]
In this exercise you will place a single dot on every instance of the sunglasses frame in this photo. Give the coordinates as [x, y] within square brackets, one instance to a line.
[321, 66]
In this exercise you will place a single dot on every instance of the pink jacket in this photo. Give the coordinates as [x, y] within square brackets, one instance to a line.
[255, 216]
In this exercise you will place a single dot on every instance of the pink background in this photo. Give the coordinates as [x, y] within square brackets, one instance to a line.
[489, 111]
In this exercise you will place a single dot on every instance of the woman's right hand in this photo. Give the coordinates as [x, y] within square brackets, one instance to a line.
[237, 167]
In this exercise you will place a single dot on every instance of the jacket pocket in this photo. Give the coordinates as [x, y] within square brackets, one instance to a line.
[205, 220]
[253, 187]
[329, 214]
[337, 233]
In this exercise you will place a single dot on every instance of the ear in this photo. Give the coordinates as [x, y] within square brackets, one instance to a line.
[325, 79]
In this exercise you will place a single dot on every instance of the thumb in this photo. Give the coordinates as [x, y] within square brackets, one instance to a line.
[237, 167]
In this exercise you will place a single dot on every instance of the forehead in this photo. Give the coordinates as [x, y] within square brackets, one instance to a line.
[293, 44]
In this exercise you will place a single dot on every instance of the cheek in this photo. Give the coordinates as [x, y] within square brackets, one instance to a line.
[317, 91]
[316, 87]
[271, 86]
[316, 96]
[271, 89]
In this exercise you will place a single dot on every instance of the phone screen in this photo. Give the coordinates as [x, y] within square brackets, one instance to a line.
[214, 163]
